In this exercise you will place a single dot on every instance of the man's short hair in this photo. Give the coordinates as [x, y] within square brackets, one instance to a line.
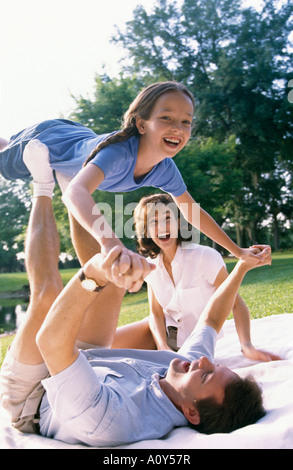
[242, 405]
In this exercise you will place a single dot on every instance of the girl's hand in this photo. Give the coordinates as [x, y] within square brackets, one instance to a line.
[130, 269]
[259, 253]
[122, 265]
[127, 269]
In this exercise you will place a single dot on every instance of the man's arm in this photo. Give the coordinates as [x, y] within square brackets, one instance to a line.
[57, 337]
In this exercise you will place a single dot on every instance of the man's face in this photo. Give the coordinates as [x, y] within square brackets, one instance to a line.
[189, 382]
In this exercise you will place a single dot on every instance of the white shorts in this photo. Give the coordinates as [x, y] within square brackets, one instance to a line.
[21, 390]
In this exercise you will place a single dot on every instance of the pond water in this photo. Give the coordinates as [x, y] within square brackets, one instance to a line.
[11, 313]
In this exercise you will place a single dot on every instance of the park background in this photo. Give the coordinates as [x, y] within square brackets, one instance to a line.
[237, 59]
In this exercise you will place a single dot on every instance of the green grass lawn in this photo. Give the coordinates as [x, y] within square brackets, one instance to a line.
[266, 291]
[14, 282]
[269, 290]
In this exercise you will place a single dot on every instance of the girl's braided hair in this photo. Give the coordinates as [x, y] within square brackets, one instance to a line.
[142, 107]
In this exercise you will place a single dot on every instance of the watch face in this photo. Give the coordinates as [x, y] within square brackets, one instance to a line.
[89, 284]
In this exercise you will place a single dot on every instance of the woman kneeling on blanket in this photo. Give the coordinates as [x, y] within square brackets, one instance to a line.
[185, 278]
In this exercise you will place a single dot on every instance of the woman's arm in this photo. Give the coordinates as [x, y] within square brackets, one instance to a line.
[157, 322]
[201, 220]
[240, 311]
[242, 323]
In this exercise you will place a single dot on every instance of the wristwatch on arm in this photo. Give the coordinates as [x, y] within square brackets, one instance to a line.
[88, 284]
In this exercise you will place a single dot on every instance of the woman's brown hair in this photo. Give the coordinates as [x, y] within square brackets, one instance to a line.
[145, 244]
[142, 107]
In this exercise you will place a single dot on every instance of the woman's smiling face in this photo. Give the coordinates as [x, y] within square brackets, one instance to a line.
[162, 226]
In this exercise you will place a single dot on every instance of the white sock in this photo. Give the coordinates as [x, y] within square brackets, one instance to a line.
[36, 158]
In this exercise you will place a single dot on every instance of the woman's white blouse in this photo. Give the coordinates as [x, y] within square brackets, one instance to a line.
[194, 268]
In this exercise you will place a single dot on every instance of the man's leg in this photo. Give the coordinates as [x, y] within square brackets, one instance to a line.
[42, 253]
[135, 335]
[23, 368]
[100, 321]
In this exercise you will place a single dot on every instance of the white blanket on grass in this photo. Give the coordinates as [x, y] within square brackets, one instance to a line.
[274, 431]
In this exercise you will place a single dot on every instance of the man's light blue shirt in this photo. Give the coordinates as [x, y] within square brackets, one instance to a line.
[113, 397]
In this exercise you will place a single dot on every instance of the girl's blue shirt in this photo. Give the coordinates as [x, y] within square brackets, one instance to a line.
[70, 143]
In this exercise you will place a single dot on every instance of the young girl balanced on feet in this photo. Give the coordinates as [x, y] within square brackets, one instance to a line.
[156, 127]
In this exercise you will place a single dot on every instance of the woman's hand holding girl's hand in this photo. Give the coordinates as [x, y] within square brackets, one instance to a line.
[261, 252]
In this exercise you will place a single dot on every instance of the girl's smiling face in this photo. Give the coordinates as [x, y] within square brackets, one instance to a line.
[168, 129]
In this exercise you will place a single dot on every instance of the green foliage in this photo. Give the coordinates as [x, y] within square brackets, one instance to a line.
[239, 163]
[14, 213]
[111, 99]
[208, 170]
[237, 62]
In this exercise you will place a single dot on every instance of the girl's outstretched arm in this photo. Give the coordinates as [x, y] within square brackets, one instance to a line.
[80, 203]
[201, 220]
